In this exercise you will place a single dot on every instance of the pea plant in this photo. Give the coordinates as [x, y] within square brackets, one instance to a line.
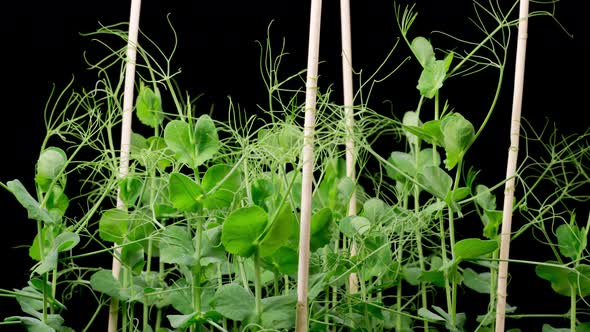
[208, 235]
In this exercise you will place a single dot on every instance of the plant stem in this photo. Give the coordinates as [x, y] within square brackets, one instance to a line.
[257, 286]
[196, 270]
[573, 300]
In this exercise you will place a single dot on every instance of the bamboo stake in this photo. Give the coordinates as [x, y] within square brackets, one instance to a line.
[511, 166]
[125, 137]
[307, 159]
[349, 119]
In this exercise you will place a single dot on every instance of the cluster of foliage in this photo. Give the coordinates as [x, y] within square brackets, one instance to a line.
[208, 232]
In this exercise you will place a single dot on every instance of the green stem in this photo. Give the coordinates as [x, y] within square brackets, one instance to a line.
[257, 285]
[573, 301]
[148, 275]
[452, 244]
[417, 228]
[42, 250]
[197, 270]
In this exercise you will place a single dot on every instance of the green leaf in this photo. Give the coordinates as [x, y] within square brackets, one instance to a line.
[46, 234]
[432, 78]
[474, 248]
[492, 220]
[411, 119]
[571, 240]
[66, 241]
[185, 194]
[423, 51]
[352, 226]
[176, 246]
[57, 202]
[557, 276]
[279, 312]
[49, 165]
[184, 321]
[129, 189]
[113, 225]
[411, 275]
[404, 166]
[132, 256]
[436, 181]
[31, 324]
[211, 249]
[224, 192]
[479, 282]
[285, 260]
[104, 282]
[581, 279]
[34, 209]
[241, 230]
[320, 229]
[181, 296]
[205, 139]
[234, 302]
[380, 260]
[458, 135]
[149, 106]
[430, 132]
[374, 209]
[549, 328]
[261, 190]
[192, 146]
[278, 231]
[48, 262]
[429, 315]
[484, 197]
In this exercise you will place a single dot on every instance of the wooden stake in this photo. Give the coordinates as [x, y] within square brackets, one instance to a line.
[125, 137]
[307, 159]
[348, 118]
[511, 167]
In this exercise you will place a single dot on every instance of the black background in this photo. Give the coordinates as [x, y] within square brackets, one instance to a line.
[219, 57]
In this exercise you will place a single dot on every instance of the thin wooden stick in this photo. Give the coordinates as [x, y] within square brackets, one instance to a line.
[307, 159]
[125, 137]
[511, 167]
[348, 118]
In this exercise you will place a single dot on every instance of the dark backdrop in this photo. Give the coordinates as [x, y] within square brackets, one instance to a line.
[219, 56]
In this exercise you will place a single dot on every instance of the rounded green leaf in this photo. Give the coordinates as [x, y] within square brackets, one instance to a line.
[113, 225]
[192, 145]
[234, 302]
[149, 106]
[177, 137]
[458, 135]
[261, 189]
[129, 189]
[221, 182]
[49, 165]
[320, 229]
[279, 231]
[241, 230]
[557, 276]
[176, 246]
[479, 282]
[34, 209]
[474, 248]
[66, 241]
[571, 240]
[436, 181]
[423, 51]
[185, 194]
